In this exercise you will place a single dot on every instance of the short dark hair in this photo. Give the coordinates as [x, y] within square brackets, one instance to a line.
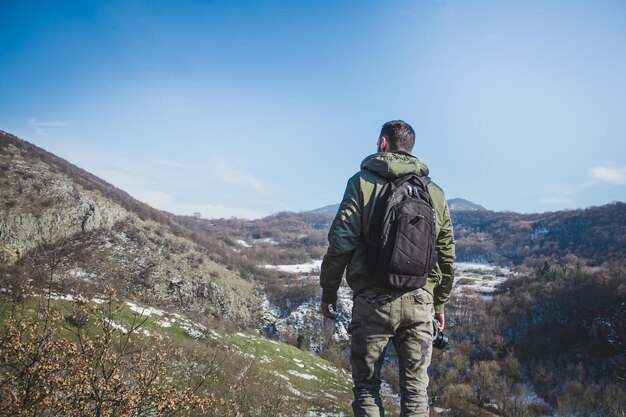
[400, 135]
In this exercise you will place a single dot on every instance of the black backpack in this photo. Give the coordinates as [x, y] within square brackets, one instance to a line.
[401, 239]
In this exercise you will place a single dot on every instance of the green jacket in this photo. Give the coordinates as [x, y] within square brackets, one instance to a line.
[347, 245]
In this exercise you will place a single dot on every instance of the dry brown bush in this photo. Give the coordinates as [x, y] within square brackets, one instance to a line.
[48, 368]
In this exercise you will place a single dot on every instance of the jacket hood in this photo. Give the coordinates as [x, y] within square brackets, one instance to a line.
[391, 165]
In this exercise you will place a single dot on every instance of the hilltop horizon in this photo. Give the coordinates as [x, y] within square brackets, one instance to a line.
[461, 203]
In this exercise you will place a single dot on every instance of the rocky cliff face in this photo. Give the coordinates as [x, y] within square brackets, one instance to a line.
[39, 203]
[45, 201]
[143, 262]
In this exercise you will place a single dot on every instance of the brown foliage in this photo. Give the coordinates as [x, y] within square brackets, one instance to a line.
[48, 369]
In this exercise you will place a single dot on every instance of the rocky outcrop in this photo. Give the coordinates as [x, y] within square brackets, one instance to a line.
[142, 261]
[107, 238]
[40, 204]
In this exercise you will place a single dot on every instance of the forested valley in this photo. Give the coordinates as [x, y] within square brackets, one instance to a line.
[550, 340]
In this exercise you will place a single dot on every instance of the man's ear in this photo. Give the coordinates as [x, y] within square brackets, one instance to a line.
[383, 144]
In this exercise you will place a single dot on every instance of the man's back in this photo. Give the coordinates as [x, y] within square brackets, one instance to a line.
[381, 313]
[347, 245]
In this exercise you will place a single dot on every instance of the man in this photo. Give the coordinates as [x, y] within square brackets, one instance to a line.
[380, 312]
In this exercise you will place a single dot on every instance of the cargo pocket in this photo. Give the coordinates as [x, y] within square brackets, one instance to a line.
[422, 297]
[378, 300]
[423, 309]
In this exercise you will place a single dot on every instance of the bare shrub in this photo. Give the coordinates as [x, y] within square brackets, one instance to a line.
[50, 369]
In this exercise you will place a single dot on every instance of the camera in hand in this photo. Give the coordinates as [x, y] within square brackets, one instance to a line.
[441, 340]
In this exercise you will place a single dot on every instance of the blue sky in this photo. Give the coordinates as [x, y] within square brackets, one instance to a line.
[249, 108]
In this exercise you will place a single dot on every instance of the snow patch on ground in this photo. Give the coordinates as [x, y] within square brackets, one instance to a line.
[266, 240]
[295, 391]
[314, 413]
[144, 311]
[478, 267]
[195, 330]
[70, 297]
[243, 243]
[313, 266]
[116, 325]
[64, 297]
[302, 375]
[482, 278]
[278, 374]
[192, 328]
[80, 273]
[191, 331]
[326, 368]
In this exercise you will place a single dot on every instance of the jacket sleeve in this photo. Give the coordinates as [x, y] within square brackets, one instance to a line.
[445, 260]
[342, 239]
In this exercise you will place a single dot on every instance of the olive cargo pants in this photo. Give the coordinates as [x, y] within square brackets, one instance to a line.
[406, 319]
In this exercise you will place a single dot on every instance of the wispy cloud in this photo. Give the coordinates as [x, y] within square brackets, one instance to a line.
[561, 194]
[42, 127]
[164, 201]
[210, 211]
[228, 173]
[610, 175]
[144, 190]
[177, 187]
[121, 179]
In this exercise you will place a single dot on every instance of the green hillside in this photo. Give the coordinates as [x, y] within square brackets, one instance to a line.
[252, 376]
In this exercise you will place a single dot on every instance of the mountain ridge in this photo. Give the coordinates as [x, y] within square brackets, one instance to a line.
[456, 204]
[461, 204]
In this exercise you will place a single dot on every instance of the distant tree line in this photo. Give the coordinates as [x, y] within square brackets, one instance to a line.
[595, 235]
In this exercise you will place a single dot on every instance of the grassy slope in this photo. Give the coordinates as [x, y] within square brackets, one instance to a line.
[301, 375]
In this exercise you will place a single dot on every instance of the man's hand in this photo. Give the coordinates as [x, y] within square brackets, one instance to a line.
[328, 313]
[441, 318]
